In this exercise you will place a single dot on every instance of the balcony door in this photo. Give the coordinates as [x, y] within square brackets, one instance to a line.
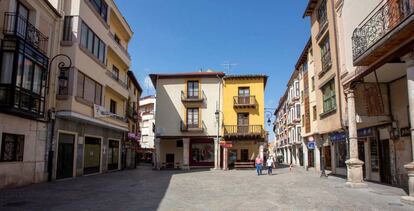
[22, 20]
[243, 96]
[192, 118]
[192, 89]
[242, 122]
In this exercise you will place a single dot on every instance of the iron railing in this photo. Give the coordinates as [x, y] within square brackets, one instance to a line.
[244, 130]
[384, 20]
[116, 78]
[16, 25]
[132, 113]
[184, 127]
[245, 100]
[199, 97]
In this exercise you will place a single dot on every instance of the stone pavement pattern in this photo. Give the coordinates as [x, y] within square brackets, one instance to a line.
[144, 189]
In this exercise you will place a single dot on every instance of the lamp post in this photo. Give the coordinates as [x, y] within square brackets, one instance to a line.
[217, 144]
[62, 79]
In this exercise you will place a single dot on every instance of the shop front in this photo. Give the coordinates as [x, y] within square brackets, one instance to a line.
[202, 152]
[339, 147]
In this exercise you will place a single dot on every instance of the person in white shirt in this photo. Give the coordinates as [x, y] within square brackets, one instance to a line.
[270, 165]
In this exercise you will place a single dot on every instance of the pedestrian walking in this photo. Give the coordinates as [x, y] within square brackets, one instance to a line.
[270, 165]
[258, 164]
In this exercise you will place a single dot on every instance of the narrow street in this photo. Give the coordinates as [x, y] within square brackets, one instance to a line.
[145, 189]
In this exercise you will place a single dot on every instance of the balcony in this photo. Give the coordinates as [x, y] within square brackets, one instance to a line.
[383, 31]
[116, 78]
[131, 113]
[18, 26]
[184, 127]
[185, 98]
[245, 101]
[244, 132]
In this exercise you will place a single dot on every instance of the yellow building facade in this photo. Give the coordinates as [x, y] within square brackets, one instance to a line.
[243, 119]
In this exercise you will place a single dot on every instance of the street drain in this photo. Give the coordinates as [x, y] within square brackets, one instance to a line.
[395, 204]
[16, 204]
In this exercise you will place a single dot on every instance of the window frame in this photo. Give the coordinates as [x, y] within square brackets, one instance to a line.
[112, 106]
[16, 157]
[194, 124]
[329, 96]
[192, 90]
[88, 41]
[96, 84]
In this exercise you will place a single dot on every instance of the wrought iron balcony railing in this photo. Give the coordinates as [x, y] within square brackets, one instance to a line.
[379, 24]
[185, 97]
[244, 131]
[15, 25]
[116, 78]
[132, 113]
[194, 127]
[245, 101]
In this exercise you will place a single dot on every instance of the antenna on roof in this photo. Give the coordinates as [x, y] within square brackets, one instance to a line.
[228, 66]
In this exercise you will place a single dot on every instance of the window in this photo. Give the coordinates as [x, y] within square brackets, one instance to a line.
[67, 28]
[340, 154]
[6, 68]
[374, 155]
[179, 143]
[117, 40]
[329, 96]
[322, 15]
[101, 7]
[92, 43]
[192, 117]
[313, 83]
[243, 95]
[314, 113]
[88, 89]
[192, 89]
[12, 147]
[297, 111]
[298, 132]
[115, 72]
[297, 91]
[325, 54]
[112, 106]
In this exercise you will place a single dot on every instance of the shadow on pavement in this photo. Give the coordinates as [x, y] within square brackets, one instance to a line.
[141, 188]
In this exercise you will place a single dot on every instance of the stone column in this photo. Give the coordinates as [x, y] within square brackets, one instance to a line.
[354, 165]
[157, 163]
[216, 154]
[305, 155]
[186, 154]
[289, 160]
[297, 162]
[225, 159]
[409, 60]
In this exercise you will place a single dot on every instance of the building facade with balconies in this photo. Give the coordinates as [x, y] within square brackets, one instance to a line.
[185, 121]
[281, 130]
[147, 124]
[243, 120]
[28, 42]
[92, 96]
[378, 69]
[329, 95]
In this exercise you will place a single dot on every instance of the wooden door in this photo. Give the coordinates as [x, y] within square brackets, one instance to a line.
[242, 122]
[243, 95]
[65, 156]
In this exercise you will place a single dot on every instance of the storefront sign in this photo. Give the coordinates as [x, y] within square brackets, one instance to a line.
[311, 145]
[338, 136]
[405, 131]
[226, 144]
[364, 132]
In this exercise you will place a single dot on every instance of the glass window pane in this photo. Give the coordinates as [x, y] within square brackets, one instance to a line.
[27, 74]
[96, 46]
[84, 35]
[37, 79]
[19, 71]
[89, 90]
[102, 51]
[80, 83]
[90, 40]
[6, 68]
[98, 94]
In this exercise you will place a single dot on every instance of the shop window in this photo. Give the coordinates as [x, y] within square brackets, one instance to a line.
[202, 152]
[113, 154]
[12, 147]
[340, 150]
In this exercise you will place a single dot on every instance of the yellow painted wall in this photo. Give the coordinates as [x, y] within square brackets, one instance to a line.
[253, 149]
[169, 146]
[230, 89]
[120, 103]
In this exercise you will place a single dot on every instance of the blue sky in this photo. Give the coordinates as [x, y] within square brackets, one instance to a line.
[261, 37]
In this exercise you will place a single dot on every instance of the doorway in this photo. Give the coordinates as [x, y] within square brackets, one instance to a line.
[113, 155]
[242, 122]
[169, 161]
[361, 155]
[311, 158]
[385, 166]
[92, 155]
[327, 157]
[65, 156]
[244, 95]
[244, 155]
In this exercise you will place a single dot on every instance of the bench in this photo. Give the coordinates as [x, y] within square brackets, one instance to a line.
[245, 164]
